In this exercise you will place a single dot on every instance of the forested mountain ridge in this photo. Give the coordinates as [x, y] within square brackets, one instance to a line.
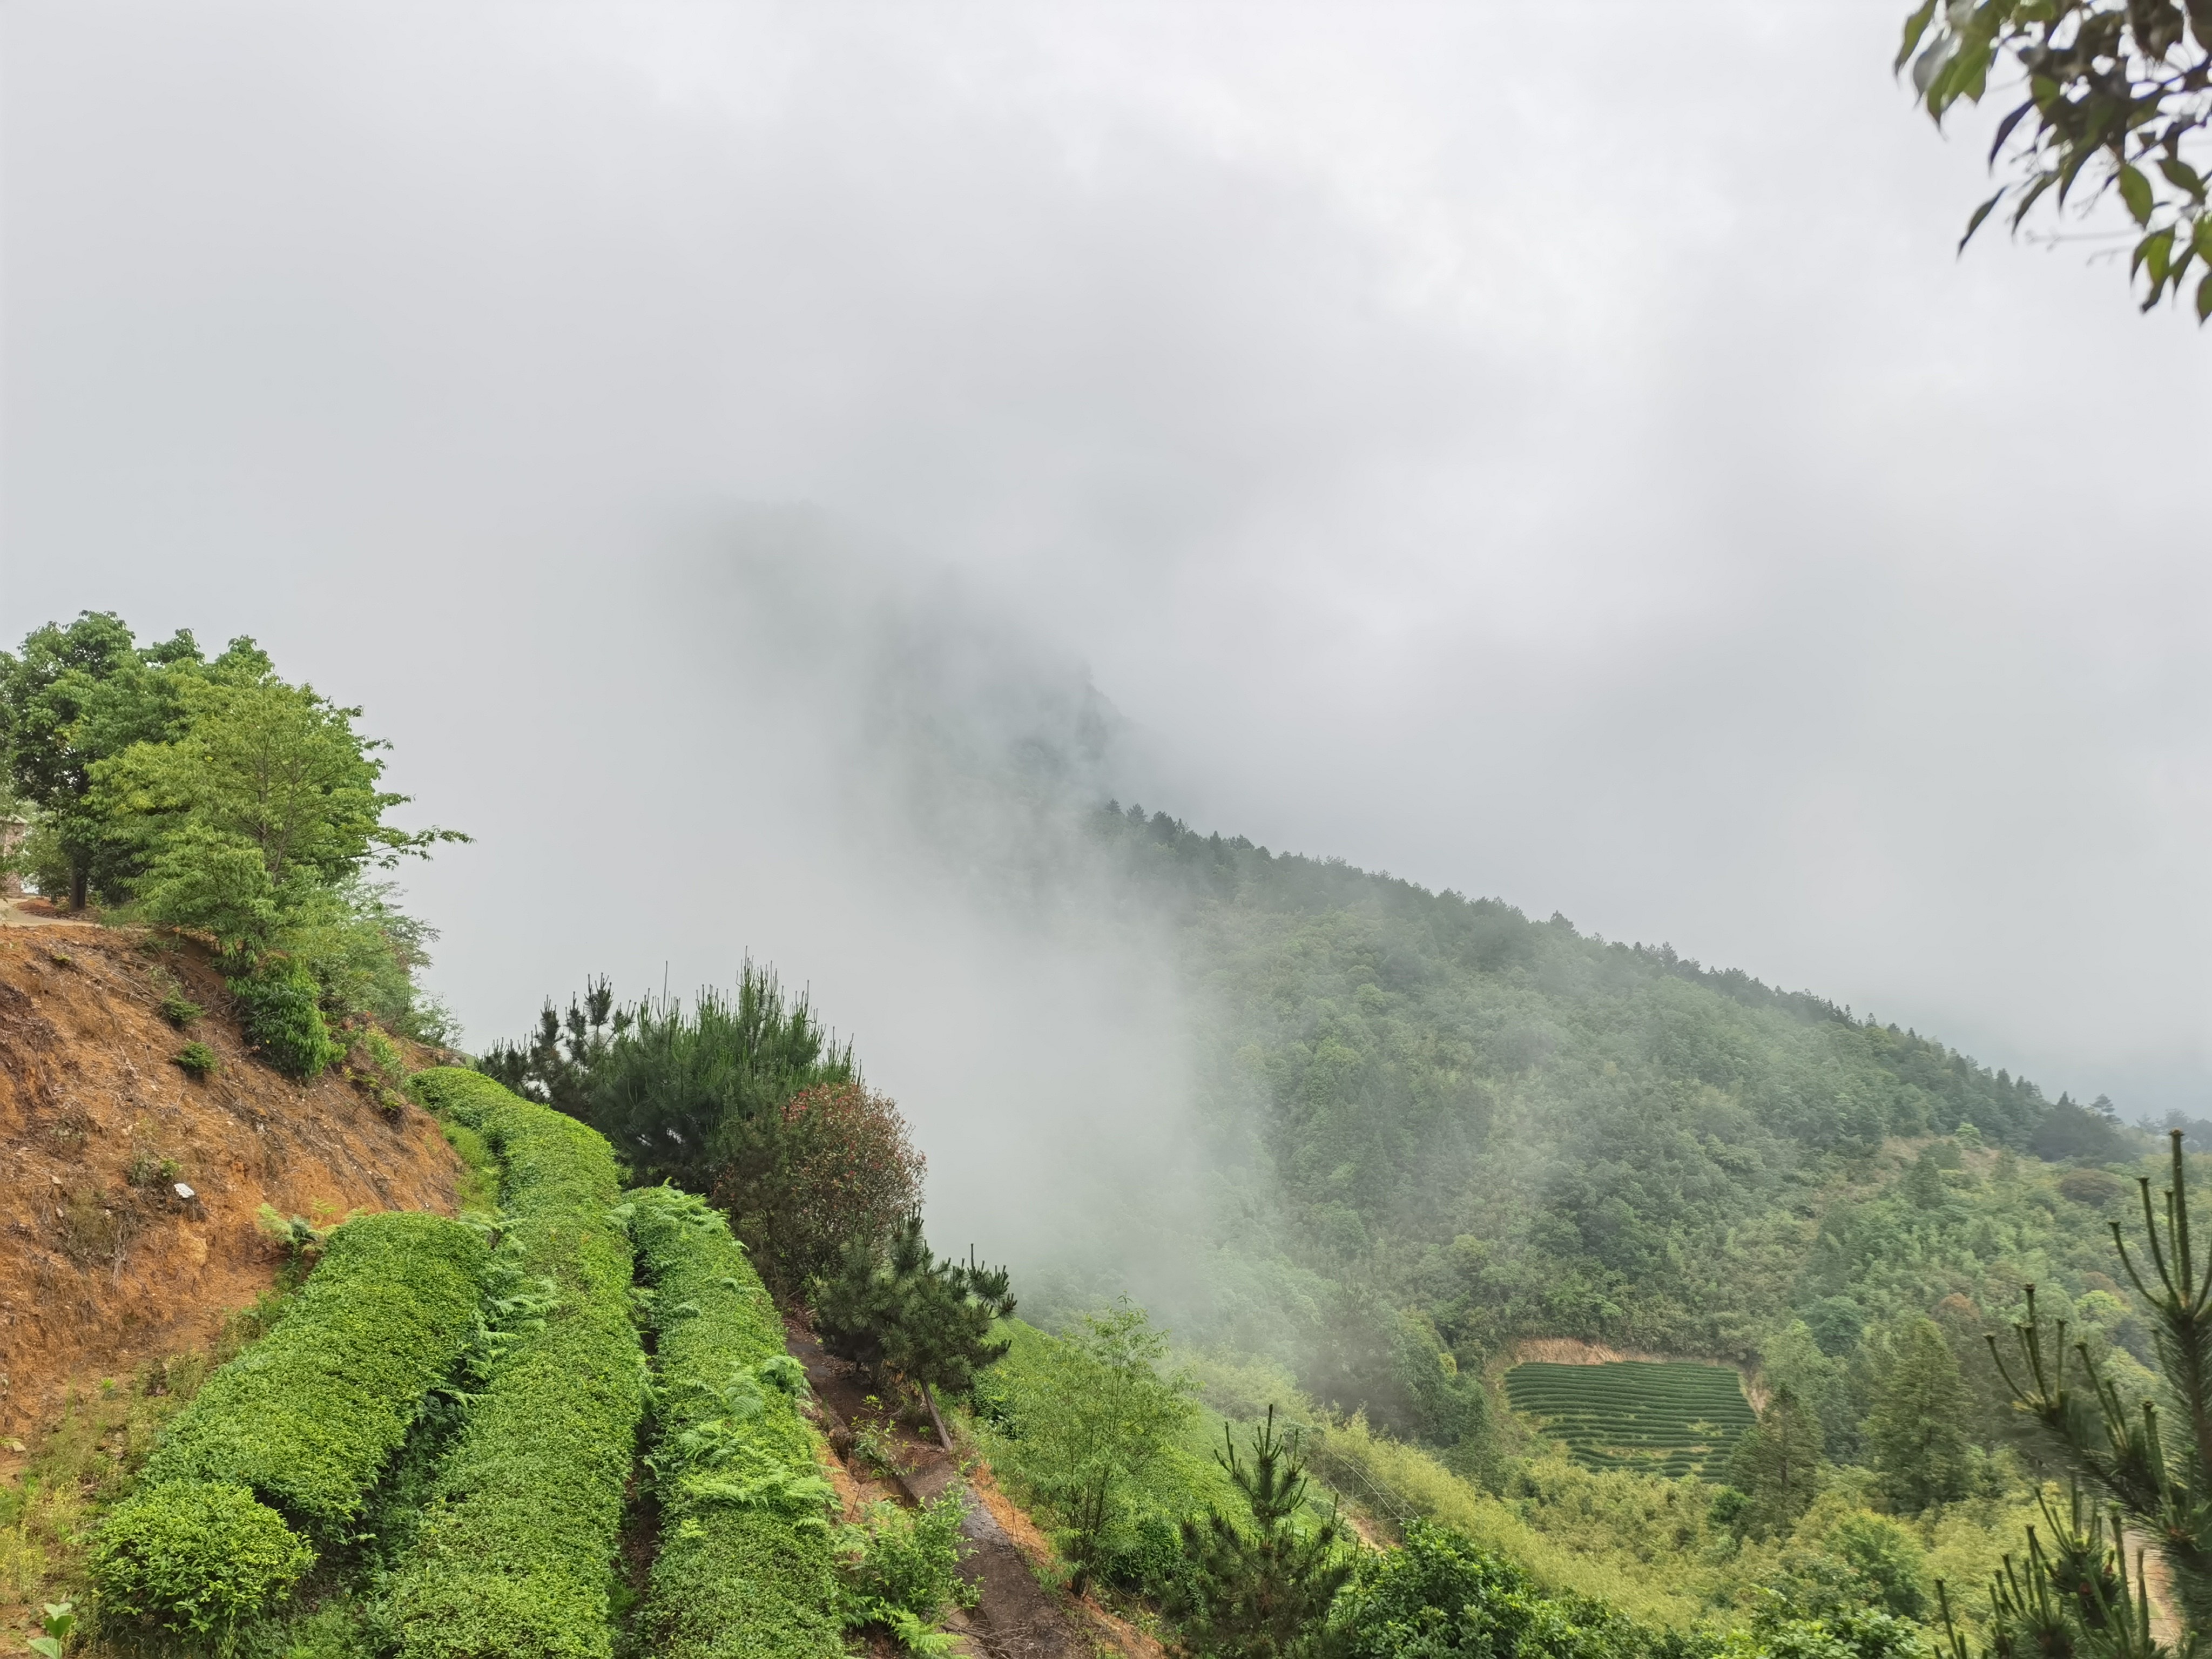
[1439, 1126]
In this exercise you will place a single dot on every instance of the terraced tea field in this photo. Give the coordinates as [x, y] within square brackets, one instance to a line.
[1672, 1418]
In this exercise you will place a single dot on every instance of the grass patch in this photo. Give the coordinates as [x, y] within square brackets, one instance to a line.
[1143, 1548]
[478, 1191]
[90, 1460]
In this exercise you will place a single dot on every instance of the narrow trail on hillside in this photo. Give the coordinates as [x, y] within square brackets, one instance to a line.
[1015, 1617]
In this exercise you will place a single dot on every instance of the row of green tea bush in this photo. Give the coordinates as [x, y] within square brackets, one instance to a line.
[512, 1552]
[746, 1568]
[273, 1459]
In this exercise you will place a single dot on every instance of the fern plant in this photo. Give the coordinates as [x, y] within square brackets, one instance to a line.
[718, 1456]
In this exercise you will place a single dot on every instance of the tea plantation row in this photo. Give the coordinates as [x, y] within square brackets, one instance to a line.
[480, 1402]
[1670, 1418]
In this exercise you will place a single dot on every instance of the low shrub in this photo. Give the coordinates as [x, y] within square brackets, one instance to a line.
[513, 1551]
[905, 1570]
[280, 1007]
[198, 1060]
[308, 1417]
[747, 1565]
[194, 1558]
[181, 1010]
[1441, 1595]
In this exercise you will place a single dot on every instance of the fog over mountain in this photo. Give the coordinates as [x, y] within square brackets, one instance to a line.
[1552, 455]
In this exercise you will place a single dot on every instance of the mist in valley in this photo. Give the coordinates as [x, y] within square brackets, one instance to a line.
[772, 472]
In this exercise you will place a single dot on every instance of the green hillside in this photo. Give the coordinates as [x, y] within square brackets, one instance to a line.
[1439, 1126]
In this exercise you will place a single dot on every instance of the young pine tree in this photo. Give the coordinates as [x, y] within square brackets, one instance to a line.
[895, 1308]
[1262, 1589]
[1777, 1464]
[2073, 1593]
[555, 1064]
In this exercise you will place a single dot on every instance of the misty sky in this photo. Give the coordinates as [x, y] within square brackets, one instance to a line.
[1547, 451]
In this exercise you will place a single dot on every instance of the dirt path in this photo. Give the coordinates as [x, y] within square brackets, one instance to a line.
[18, 912]
[1015, 1617]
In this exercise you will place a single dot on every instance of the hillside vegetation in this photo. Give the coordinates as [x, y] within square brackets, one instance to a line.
[1441, 1126]
[1443, 1146]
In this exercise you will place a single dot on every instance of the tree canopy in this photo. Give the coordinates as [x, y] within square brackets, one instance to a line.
[2108, 97]
[211, 797]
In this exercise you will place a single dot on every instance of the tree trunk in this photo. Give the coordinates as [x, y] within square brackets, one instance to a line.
[930, 1401]
[80, 886]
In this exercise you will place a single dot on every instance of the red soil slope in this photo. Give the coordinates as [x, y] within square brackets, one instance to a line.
[99, 1273]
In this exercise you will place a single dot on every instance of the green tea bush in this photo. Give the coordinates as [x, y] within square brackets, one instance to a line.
[308, 1417]
[747, 1567]
[280, 1007]
[180, 1010]
[194, 1559]
[515, 1546]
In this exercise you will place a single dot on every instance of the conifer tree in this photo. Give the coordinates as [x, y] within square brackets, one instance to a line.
[1777, 1466]
[553, 1065]
[2075, 1591]
[1917, 1429]
[1262, 1589]
[895, 1308]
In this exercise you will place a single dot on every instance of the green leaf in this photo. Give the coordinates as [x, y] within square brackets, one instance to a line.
[2153, 255]
[2204, 297]
[2182, 176]
[2135, 190]
[1928, 68]
[1971, 78]
[1915, 26]
[47, 1646]
[2070, 168]
[2043, 182]
[2201, 239]
[2005, 127]
[1980, 213]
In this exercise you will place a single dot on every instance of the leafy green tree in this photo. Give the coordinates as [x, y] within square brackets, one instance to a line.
[75, 697]
[1260, 1587]
[1778, 1465]
[1916, 1432]
[1441, 1596]
[2108, 97]
[1859, 1561]
[1792, 1359]
[897, 1309]
[252, 815]
[1887, 1558]
[1105, 1412]
[1923, 1182]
